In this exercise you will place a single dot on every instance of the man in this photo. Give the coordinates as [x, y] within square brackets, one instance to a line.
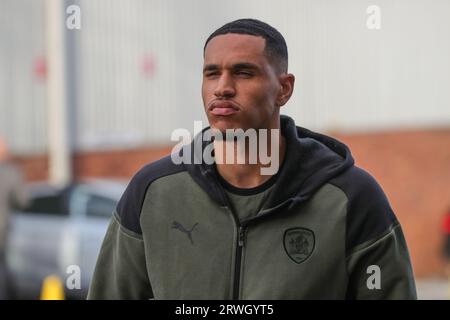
[12, 194]
[318, 228]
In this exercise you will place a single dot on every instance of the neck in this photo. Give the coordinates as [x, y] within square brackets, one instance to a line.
[249, 174]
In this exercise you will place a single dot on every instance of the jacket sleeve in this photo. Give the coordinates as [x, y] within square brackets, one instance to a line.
[381, 268]
[377, 257]
[120, 272]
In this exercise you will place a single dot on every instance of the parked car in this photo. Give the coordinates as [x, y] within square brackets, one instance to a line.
[60, 228]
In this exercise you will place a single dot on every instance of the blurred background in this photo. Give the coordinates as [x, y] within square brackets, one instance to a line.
[90, 91]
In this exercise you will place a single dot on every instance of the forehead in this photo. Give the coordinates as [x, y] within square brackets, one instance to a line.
[232, 47]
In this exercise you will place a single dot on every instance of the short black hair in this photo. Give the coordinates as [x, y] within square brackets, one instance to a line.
[275, 49]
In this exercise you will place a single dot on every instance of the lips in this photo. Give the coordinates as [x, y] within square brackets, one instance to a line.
[223, 108]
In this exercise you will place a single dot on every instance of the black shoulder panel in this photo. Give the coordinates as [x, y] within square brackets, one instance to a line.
[130, 204]
[368, 211]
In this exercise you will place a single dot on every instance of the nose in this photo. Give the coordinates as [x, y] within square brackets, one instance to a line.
[225, 87]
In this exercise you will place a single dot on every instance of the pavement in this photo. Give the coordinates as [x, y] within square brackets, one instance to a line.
[433, 289]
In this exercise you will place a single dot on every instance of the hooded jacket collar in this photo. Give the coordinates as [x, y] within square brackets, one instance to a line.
[310, 161]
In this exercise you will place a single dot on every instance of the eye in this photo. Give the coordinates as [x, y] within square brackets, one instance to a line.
[244, 73]
[211, 74]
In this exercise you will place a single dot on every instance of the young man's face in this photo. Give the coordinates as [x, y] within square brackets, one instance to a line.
[240, 86]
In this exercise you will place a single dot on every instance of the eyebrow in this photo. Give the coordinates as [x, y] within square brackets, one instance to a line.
[236, 66]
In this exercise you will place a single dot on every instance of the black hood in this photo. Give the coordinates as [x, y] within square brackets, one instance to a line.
[311, 160]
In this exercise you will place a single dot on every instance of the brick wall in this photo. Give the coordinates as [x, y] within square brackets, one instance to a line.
[413, 167]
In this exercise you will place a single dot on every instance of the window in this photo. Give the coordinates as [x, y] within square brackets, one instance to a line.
[48, 204]
[98, 206]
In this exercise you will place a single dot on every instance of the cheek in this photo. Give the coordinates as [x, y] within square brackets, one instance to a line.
[263, 97]
[206, 93]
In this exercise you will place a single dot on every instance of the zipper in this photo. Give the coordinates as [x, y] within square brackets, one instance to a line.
[242, 228]
[241, 239]
[238, 261]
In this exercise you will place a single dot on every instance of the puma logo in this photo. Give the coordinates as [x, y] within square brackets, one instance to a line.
[179, 226]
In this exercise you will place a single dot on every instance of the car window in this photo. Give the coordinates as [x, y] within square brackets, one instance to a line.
[49, 204]
[98, 206]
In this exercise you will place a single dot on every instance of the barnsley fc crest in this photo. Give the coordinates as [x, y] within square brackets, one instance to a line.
[299, 243]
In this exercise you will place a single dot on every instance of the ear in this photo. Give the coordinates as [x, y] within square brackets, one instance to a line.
[286, 81]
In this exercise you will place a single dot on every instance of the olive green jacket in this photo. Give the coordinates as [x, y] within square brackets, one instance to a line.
[326, 231]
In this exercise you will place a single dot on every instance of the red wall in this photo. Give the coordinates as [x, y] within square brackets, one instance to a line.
[414, 170]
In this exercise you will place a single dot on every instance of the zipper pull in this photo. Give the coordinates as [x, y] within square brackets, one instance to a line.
[242, 233]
